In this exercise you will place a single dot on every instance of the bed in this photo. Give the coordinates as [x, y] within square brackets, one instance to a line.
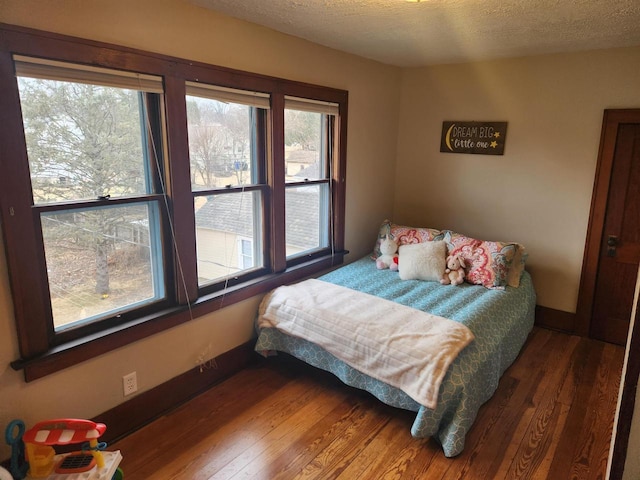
[498, 318]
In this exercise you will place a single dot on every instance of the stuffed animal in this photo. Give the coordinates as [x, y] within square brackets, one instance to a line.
[454, 273]
[389, 257]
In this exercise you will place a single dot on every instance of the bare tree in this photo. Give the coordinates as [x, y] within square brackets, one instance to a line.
[84, 142]
[219, 140]
[302, 128]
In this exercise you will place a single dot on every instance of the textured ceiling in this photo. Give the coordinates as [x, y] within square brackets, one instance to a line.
[405, 34]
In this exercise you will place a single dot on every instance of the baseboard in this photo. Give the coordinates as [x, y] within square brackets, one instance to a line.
[151, 404]
[555, 319]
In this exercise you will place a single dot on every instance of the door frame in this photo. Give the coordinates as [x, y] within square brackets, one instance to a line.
[619, 443]
[626, 402]
[611, 120]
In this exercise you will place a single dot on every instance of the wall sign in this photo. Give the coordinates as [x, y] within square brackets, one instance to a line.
[483, 138]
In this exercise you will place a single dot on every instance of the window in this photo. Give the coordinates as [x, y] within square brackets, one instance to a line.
[221, 220]
[308, 141]
[140, 190]
[89, 149]
[227, 155]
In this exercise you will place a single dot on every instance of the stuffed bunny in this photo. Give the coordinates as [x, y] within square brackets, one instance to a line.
[454, 273]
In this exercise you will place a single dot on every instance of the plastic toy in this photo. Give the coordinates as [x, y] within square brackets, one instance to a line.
[33, 450]
[13, 436]
[38, 441]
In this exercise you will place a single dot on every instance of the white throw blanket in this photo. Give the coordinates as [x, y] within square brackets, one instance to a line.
[403, 347]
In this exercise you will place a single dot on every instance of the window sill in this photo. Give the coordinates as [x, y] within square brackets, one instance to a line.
[62, 356]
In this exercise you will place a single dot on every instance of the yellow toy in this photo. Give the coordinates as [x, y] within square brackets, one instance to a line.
[90, 463]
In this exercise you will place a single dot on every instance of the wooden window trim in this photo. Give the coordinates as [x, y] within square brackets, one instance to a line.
[39, 355]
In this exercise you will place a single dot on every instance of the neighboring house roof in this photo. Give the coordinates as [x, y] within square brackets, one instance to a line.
[232, 213]
[312, 172]
[229, 213]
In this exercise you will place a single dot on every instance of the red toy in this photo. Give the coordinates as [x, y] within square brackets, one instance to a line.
[64, 431]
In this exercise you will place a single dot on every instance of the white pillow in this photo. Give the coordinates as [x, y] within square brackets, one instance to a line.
[422, 261]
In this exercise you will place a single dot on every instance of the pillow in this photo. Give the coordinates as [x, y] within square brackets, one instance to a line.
[460, 244]
[517, 266]
[422, 261]
[402, 235]
[491, 264]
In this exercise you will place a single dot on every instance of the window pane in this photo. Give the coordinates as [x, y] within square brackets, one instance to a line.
[83, 141]
[224, 225]
[307, 213]
[101, 261]
[246, 253]
[303, 132]
[220, 143]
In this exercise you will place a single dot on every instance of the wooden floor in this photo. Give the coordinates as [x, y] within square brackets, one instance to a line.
[551, 418]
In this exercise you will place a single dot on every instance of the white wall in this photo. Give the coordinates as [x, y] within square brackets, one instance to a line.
[539, 192]
[177, 28]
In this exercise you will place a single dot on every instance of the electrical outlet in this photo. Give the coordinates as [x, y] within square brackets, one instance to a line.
[129, 383]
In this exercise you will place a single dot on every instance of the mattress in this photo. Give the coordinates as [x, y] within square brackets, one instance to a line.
[499, 319]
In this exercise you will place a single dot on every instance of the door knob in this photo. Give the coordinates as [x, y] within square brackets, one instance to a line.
[612, 243]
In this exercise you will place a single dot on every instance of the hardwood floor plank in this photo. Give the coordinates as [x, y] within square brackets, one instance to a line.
[399, 467]
[412, 456]
[551, 418]
[354, 436]
[227, 448]
[577, 397]
[609, 403]
[175, 432]
[534, 435]
[257, 459]
[594, 439]
[213, 439]
[555, 431]
[315, 440]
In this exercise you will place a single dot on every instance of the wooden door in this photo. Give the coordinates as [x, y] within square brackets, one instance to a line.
[619, 249]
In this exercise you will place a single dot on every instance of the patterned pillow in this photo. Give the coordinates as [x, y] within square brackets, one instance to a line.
[460, 244]
[402, 235]
[492, 264]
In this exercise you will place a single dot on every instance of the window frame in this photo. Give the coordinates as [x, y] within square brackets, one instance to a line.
[42, 352]
[150, 104]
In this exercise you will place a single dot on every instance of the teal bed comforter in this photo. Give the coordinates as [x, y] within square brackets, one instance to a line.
[500, 320]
